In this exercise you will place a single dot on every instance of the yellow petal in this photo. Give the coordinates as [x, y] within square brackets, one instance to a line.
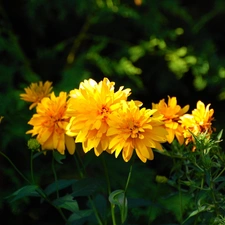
[70, 144]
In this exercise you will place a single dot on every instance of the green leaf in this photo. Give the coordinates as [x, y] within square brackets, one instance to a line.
[101, 204]
[26, 191]
[219, 179]
[58, 157]
[37, 154]
[219, 136]
[195, 212]
[67, 202]
[84, 187]
[58, 185]
[79, 215]
[118, 197]
[175, 202]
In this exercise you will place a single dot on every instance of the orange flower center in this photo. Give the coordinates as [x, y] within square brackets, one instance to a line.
[135, 130]
[53, 121]
[104, 112]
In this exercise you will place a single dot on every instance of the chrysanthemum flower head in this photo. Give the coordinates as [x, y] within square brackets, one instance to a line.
[49, 124]
[36, 92]
[134, 128]
[89, 108]
[172, 113]
[200, 121]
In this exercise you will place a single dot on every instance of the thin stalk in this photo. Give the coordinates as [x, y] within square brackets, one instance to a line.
[13, 165]
[40, 192]
[219, 174]
[128, 178]
[31, 168]
[95, 211]
[80, 168]
[57, 189]
[109, 190]
[81, 173]
[126, 186]
[55, 176]
[213, 194]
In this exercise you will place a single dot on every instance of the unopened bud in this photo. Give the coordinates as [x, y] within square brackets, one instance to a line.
[33, 145]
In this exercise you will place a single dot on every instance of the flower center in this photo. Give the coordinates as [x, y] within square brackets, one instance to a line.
[104, 112]
[135, 131]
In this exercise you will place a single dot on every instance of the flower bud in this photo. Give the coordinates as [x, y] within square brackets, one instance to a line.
[33, 145]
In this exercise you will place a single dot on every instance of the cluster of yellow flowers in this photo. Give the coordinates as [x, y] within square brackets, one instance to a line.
[104, 120]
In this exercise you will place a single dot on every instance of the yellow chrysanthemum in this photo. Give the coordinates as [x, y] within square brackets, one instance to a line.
[132, 128]
[200, 121]
[172, 113]
[49, 124]
[89, 106]
[1, 117]
[36, 92]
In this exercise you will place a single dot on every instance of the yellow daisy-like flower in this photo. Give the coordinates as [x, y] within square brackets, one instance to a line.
[36, 92]
[172, 113]
[132, 128]
[200, 121]
[49, 124]
[89, 108]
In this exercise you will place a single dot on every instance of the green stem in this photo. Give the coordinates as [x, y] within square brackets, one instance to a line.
[13, 165]
[81, 169]
[113, 214]
[213, 194]
[128, 178]
[81, 173]
[43, 195]
[127, 183]
[95, 211]
[109, 189]
[57, 188]
[219, 174]
[31, 168]
[55, 175]
[40, 191]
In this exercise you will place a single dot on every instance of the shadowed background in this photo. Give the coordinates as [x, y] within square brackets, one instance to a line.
[156, 48]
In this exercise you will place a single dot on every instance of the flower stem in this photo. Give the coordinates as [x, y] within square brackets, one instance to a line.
[81, 173]
[42, 194]
[219, 174]
[55, 176]
[31, 168]
[13, 165]
[128, 178]
[109, 189]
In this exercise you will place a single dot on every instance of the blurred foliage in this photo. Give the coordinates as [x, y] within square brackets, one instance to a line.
[157, 48]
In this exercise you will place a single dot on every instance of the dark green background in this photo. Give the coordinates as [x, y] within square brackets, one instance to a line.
[107, 38]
